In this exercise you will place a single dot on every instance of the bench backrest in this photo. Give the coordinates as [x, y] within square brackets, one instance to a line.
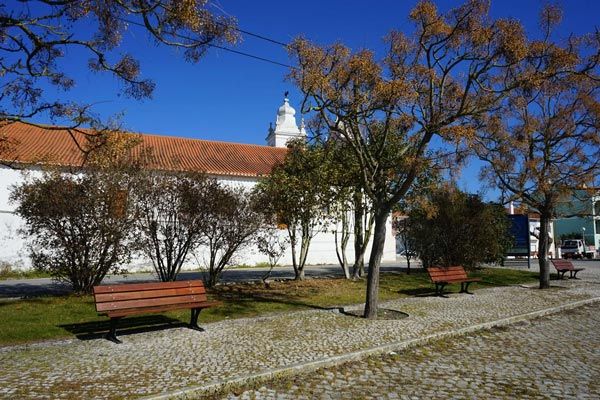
[442, 274]
[562, 264]
[145, 295]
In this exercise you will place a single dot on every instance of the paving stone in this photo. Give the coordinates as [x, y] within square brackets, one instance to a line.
[511, 376]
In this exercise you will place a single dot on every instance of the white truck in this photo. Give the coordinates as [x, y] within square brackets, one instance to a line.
[575, 248]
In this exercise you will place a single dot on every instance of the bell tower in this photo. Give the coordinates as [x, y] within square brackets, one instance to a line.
[285, 126]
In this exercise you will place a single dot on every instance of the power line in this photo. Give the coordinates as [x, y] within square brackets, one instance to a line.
[227, 48]
[250, 55]
[256, 35]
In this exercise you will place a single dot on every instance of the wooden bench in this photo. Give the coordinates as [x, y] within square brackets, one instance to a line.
[118, 301]
[442, 276]
[564, 266]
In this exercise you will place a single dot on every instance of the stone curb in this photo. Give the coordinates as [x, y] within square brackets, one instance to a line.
[294, 369]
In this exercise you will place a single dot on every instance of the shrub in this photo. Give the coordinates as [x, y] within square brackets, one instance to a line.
[231, 223]
[456, 228]
[172, 210]
[78, 226]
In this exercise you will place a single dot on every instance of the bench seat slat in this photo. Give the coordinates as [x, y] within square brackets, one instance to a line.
[562, 265]
[457, 274]
[137, 311]
[448, 272]
[140, 303]
[449, 280]
[445, 277]
[148, 294]
[134, 287]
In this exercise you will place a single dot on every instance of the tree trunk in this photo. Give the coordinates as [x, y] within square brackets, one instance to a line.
[374, 265]
[544, 244]
[340, 245]
[304, 245]
[299, 274]
[363, 227]
[292, 235]
[359, 254]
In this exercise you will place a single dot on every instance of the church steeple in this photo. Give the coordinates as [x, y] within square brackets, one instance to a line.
[285, 126]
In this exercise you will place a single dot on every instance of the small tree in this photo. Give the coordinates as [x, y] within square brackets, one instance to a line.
[231, 223]
[402, 228]
[171, 210]
[456, 228]
[78, 226]
[271, 243]
[297, 193]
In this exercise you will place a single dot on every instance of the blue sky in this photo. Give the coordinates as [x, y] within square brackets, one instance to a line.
[233, 98]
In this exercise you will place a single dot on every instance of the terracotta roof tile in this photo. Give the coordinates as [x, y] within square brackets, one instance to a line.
[49, 145]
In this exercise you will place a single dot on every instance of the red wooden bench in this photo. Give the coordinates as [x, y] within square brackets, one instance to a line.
[442, 276]
[118, 301]
[564, 266]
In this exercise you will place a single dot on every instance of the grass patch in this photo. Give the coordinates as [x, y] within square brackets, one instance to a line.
[68, 316]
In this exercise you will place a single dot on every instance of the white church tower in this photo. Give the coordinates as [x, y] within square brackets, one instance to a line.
[285, 127]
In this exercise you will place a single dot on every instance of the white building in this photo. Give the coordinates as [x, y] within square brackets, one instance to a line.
[230, 163]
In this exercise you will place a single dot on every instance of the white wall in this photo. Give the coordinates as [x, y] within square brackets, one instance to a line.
[12, 245]
[12, 248]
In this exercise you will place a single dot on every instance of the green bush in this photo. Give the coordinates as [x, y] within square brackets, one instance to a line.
[455, 228]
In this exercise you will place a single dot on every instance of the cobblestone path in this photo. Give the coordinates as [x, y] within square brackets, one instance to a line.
[164, 361]
[554, 357]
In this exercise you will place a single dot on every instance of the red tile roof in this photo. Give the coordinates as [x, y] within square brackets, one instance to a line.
[49, 145]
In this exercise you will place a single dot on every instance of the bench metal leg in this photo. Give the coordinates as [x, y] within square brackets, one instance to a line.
[194, 319]
[439, 289]
[573, 275]
[464, 287]
[112, 334]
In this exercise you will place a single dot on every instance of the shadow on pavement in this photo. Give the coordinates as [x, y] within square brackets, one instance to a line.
[126, 326]
[418, 292]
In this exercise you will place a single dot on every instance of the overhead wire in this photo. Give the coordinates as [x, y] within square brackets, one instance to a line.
[256, 35]
[242, 53]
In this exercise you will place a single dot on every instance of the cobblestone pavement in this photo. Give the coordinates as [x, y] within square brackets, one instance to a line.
[556, 356]
[151, 363]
